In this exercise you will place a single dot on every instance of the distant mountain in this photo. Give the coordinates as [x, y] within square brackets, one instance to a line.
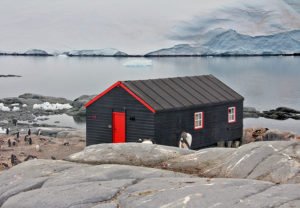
[98, 52]
[231, 42]
[31, 52]
[109, 52]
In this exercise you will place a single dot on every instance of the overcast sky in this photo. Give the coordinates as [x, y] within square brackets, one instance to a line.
[133, 26]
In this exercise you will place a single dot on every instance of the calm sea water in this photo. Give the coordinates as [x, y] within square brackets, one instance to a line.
[265, 82]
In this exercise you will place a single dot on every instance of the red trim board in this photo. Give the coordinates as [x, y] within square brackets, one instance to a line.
[120, 84]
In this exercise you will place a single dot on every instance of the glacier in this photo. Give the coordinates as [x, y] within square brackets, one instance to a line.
[87, 52]
[97, 52]
[233, 43]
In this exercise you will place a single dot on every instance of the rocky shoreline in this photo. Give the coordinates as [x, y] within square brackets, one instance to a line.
[9, 75]
[261, 174]
[280, 113]
[28, 107]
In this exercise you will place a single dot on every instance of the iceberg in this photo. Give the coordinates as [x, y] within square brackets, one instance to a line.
[97, 52]
[3, 107]
[52, 107]
[36, 52]
[138, 63]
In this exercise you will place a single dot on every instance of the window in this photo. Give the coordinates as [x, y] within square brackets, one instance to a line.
[231, 114]
[198, 120]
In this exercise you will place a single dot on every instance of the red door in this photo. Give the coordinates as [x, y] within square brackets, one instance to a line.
[118, 127]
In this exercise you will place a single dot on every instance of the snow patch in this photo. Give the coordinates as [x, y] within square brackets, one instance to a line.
[24, 105]
[3, 107]
[186, 199]
[2, 131]
[16, 108]
[138, 63]
[51, 106]
[15, 104]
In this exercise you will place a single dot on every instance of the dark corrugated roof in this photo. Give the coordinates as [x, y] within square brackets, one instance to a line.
[182, 92]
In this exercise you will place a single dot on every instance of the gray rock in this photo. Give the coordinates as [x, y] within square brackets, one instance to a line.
[107, 173]
[201, 192]
[8, 75]
[250, 112]
[287, 110]
[277, 162]
[45, 98]
[282, 113]
[74, 195]
[62, 184]
[30, 175]
[106, 205]
[78, 105]
[82, 100]
[48, 183]
[206, 162]
[127, 154]
[71, 134]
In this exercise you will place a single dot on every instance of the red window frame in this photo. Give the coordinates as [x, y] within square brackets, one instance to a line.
[234, 114]
[202, 120]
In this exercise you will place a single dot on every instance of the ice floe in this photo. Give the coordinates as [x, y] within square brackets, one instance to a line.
[51, 106]
[3, 107]
[138, 63]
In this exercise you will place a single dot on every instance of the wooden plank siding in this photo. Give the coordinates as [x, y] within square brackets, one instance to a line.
[170, 124]
[99, 118]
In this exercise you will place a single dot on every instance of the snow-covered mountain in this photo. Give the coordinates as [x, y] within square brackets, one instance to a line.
[111, 52]
[97, 52]
[140, 26]
[233, 43]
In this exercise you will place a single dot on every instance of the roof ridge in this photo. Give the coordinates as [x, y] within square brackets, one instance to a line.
[167, 78]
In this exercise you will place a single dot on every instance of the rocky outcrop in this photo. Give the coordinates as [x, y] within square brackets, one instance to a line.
[127, 154]
[43, 98]
[250, 112]
[28, 106]
[78, 109]
[64, 184]
[9, 75]
[277, 162]
[265, 134]
[280, 113]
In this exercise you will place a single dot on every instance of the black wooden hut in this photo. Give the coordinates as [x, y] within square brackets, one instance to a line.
[161, 109]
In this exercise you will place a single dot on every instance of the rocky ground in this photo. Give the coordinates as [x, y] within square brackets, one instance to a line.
[65, 143]
[265, 134]
[114, 176]
[26, 109]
